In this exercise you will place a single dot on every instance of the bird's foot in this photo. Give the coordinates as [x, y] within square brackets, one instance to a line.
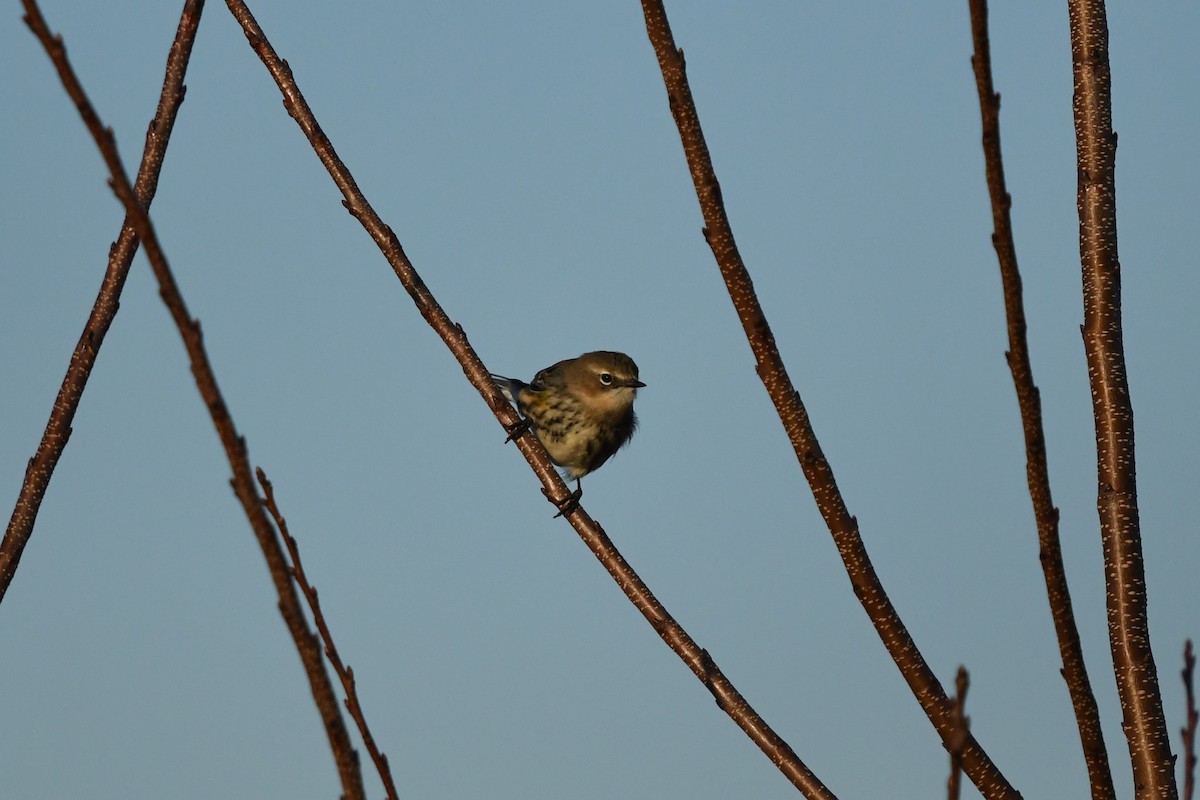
[517, 429]
[569, 504]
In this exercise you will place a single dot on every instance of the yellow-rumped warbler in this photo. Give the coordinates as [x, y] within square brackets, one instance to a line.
[581, 409]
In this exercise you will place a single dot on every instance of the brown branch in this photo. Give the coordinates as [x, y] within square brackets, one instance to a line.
[696, 659]
[844, 528]
[1189, 730]
[345, 674]
[962, 730]
[1128, 630]
[235, 445]
[1074, 671]
[104, 310]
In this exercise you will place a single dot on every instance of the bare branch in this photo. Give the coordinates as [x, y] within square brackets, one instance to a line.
[345, 674]
[698, 661]
[235, 445]
[1087, 716]
[1189, 730]
[962, 730]
[844, 528]
[104, 310]
[1120, 528]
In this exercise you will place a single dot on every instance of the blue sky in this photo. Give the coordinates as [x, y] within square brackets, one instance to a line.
[526, 158]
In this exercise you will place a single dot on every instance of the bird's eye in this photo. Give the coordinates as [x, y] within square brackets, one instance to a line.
[606, 378]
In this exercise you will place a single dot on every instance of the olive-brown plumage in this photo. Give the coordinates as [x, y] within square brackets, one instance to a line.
[581, 409]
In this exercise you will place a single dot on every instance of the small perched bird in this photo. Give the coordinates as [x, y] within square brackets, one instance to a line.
[581, 409]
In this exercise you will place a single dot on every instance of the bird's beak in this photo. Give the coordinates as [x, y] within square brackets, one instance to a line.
[636, 384]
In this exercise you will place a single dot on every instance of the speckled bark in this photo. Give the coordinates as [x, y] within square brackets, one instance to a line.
[1128, 630]
[1087, 716]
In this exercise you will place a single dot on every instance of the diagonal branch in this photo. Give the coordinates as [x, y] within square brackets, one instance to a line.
[1120, 528]
[235, 445]
[843, 527]
[697, 660]
[345, 674]
[1074, 671]
[120, 256]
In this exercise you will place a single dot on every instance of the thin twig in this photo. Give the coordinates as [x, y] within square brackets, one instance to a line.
[235, 445]
[1087, 715]
[1189, 730]
[697, 660]
[770, 367]
[962, 731]
[345, 673]
[58, 429]
[1120, 528]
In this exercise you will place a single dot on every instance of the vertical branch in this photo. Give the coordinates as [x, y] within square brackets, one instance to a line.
[701, 664]
[1087, 716]
[1189, 730]
[104, 310]
[771, 370]
[962, 727]
[1128, 629]
[235, 445]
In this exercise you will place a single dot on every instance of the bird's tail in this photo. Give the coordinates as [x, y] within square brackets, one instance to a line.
[511, 387]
